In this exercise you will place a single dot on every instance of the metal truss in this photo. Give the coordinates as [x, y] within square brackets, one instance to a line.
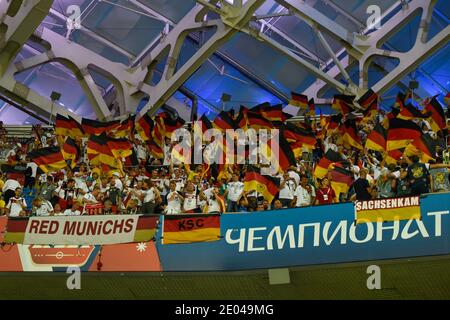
[133, 82]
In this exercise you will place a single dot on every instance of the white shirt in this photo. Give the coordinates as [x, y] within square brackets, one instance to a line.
[33, 167]
[303, 196]
[190, 201]
[69, 212]
[119, 184]
[149, 195]
[11, 184]
[173, 203]
[15, 206]
[45, 209]
[235, 190]
[288, 191]
[141, 152]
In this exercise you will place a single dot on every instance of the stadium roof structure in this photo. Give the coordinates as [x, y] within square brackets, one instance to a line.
[110, 58]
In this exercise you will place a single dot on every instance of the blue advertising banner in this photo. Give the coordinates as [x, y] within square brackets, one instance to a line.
[312, 235]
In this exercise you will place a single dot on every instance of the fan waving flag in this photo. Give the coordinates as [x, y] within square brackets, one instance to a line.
[299, 100]
[369, 103]
[264, 185]
[48, 159]
[409, 112]
[120, 148]
[144, 127]
[189, 228]
[401, 133]
[343, 103]
[351, 136]
[68, 127]
[99, 152]
[126, 128]
[341, 180]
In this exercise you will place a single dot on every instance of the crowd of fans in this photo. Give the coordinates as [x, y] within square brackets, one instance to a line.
[165, 186]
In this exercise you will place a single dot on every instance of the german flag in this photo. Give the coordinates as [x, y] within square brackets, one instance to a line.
[68, 127]
[206, 123]
[341, 180]
[350, 134]
[15, 230]
[241, 119]
[258, 121]
[299, 100]
[311, 107]
[322, 166]
[170, 123]
[155, 150]
[99, 152]
[188, 228]
[146, 228]
[120, 148]
[224, 121]
[334, 122]
[271, 113]
[63, 125]
[265, 185]
[369, 103]
[48, 159]
[293, 133]
[376, 140]
[343, 103]
[158, 134]
[71, 151]
[438, 121]
[447, 99]
[131, 160]
[94, 127]
[144, 127]
[367, 99]
[401, 133]
[297, 148]
[409, 112]
[126, 128]
[393, 156]
[427, 147]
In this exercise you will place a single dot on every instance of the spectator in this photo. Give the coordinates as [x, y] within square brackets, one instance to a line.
[174, 200]
[17, 204]
[419, 177]
[42, 208]
[403, 188]
[363, 190]
[74, 210]
[9, 189]
[233, 193]
[305, 194]
[277, 205]
[325, 194]
[385, 184]
[287, 190]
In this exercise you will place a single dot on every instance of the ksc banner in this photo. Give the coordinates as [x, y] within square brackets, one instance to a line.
[387, 209]
[81, 230]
